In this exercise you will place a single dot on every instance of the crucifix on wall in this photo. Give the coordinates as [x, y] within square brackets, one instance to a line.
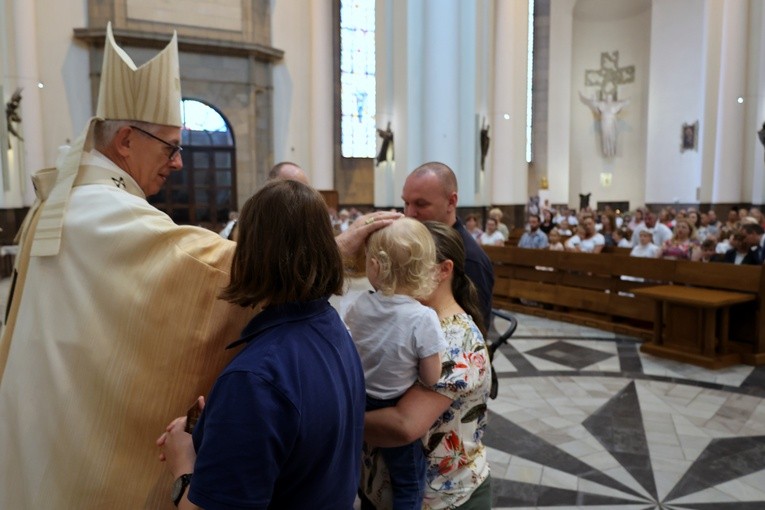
[605, 104]
[609, 76]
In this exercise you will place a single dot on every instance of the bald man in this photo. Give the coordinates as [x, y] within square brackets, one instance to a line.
[288, 171]
[430, 194]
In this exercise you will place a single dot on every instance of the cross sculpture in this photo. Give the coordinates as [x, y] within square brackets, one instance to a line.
[605, 104]
[609, 76]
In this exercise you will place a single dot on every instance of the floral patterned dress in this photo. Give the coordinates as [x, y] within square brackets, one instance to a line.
[457, 462]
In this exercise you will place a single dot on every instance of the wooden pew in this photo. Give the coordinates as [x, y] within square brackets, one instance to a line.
[597, 290]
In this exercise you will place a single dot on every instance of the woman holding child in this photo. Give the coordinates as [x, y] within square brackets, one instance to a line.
[451, 417]
[399, 339]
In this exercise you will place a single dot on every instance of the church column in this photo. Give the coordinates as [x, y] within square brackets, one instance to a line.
[321, 118]
[755, 101]
[509, 182]
[440, 80]
[390, 44]
[431, 69]
[725, 84]
[31, 153]
[559, 124]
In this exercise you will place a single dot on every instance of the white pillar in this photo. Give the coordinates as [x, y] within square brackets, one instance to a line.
[322, 96]
[440, 80]
[31, 112]
[427, 76]
[509, 181]
[728, 156]
[755, 105]
[559, 101]
[387, 36]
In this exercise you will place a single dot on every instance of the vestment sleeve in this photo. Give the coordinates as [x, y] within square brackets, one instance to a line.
[248, 432]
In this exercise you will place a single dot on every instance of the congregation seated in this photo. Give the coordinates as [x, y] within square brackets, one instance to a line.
[492, 236]
[712, 223]
[564, 228]
[496, 214]
[746, 246]
[636, 219]
[703, 230]
[587, 239]
[547, 223]
[607, 227]
[723, 241]
[645, 247]
[683, 244]
[661, 233]
[708, 250]
[471, 225]
[534, 237]
[622, 237]
[651, 237]
[554, 240]
[732, 222]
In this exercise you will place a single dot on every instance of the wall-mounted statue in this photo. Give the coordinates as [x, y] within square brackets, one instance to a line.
[387, 144]
[12, 114]
[606, 111]
[485, 141]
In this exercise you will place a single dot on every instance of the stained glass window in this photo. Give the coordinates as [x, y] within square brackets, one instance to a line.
[357, 78]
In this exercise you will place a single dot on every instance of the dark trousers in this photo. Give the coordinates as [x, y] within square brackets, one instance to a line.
[406, 466]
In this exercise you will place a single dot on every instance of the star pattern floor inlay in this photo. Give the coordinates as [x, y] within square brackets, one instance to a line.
[584, 420]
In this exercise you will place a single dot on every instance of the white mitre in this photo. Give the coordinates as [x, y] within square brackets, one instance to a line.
[150, 93]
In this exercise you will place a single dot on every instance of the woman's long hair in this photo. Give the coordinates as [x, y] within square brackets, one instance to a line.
[449, 246]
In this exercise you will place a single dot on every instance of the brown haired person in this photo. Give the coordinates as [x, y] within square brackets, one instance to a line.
[283, 425]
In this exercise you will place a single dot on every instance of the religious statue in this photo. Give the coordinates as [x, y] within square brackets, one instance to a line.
[12, 114]
[584, 200]
[485, 141]
[606, 111]
[387, 144]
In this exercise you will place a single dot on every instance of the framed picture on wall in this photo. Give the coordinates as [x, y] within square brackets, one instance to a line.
[689, 137]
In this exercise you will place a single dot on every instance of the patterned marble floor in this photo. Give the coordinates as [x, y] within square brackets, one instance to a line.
[584, 420]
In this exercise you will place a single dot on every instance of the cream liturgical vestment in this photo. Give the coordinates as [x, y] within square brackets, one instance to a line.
[114, 337]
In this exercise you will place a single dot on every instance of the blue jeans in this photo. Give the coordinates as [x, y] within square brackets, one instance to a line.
[406, 465]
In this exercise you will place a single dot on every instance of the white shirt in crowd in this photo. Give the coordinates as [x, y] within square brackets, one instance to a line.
[661, 234]
[585, 245]
[649, 250]
[495, 238]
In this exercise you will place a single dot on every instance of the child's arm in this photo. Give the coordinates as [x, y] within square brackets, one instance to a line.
[430, 369]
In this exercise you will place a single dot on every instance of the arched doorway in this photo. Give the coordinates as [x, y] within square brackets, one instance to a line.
[204, 192]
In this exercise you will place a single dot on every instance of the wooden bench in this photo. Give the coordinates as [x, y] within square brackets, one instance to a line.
[603, 291]
[691, 324]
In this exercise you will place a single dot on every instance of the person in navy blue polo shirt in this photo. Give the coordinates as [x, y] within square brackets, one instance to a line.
[283, 424]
